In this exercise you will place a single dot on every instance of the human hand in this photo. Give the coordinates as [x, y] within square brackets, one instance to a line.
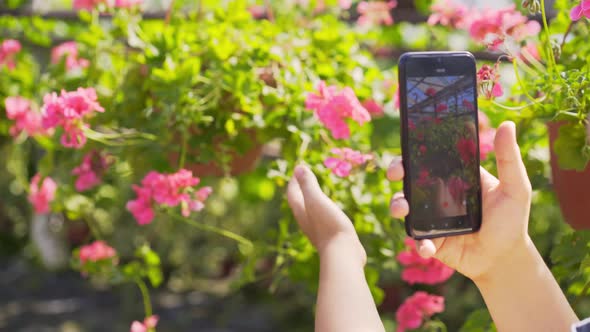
[320, 219]
[506, 206]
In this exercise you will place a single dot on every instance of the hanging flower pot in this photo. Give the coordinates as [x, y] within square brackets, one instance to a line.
[571, 187]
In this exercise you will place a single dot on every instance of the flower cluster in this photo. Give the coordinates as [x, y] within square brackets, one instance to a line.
[96, 251]
[376, 12]
[69, 51]
[333, 107]
[467, 149]
[488, 81]
[429, 271]
[505, 27]
[168, 190]
[68, 111]
[41, 193]
[91, 4]
[148, 324]
[581, 10]
[90, 172]
[26, 120]
[487, 134]
[416, 309]
[8, 50]
[373, 107]
[344, 161]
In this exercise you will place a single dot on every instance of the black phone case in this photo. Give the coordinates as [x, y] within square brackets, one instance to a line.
[404, 139]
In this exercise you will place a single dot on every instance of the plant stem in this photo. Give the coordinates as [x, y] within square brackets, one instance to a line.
[552, 63]
[145, 294]
[269, 12]
[524, 90]
[223, 232]
[567, 32]
[169, 12]
[183, 151]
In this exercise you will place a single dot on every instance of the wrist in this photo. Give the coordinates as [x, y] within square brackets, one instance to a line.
[523, 260]
[343, 245]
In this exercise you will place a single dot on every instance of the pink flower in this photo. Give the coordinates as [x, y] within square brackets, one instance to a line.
[420, 270]
[468, 105]
[344, 4]
[448, 13]
[375, 12]
[424, 178]
[467, 150]
[431, 92]
[69, 51]
[457, 188]
[257, 11]
[128, 3]
[41, 196]
[411, 125]
[333, 107]
[583, 9]
[148, 324]
[89, 173]
[422, 149]
[345, 160]
[26, 120]
[373, 107]
[441, 108]
[69, 110]
[530, 50]
[494, 27]
[8, 50]
[96, 251]
[417, 308]
[168, 190]
[90, 4]
[488, 82]
[486, 142]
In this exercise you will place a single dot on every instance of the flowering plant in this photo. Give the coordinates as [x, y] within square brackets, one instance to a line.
[138, 129]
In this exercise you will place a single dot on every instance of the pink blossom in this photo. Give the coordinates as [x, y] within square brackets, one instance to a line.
[96, 251]
[91, 4]
[257, 11]
[494, 27]
[420, 270]
[69, 51]
[448, 13]
[583, 9]
[457, 188]
[8, 50]
[467, 150]
[89, 173]
[344, 4]
[424, 178]
[376, 12]
[148, 324]
[417, 308]
[26, 120]
[431, 92]
[441, 108]
[128, 3]
[486, 142]
[411, 125]
[344, 161]
[41, 196]
[373, 107]
[488, 82]
[468, 105]
[168, 190]
[69, 110]
[333, 107]
[530, 50]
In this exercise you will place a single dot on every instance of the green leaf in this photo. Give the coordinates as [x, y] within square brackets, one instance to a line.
[479, 321]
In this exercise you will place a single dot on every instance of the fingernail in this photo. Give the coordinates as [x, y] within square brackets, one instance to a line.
[299, 171]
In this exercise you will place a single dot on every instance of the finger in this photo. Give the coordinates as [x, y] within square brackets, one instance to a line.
[429, 248]
[488, 181]
[296, 202]
[395, 171]
[511, 171]
[310, 188]
[399, 207]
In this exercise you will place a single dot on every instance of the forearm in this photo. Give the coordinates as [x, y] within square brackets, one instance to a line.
[344, 300]
[523, 295]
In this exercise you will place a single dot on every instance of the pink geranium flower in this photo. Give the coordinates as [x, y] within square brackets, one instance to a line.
[467, 150]
[373, 107]
[69, 111]
[89, 173]
[167, 190]
[494, 27]
[431, 92]
[96, 251]
[128, 3]
[416, 309]
[148, 324]
[69, 51]
[441, 108]
[41, 195]
[420, 270]
[91, 4]
[8, 50]
[581, 10]
[26, 119]
[448, 13]
[345, 160]
[488, 82]
[333, 107]
[376, 12]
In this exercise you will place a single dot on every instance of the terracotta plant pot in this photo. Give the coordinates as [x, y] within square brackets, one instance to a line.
[571, 187]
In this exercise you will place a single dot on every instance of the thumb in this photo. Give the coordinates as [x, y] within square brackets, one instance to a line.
[511, 171]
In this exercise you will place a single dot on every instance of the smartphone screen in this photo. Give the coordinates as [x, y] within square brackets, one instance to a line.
[440, 143]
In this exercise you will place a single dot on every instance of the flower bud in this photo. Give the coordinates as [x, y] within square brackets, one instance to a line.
[556, 49]
[534, 6]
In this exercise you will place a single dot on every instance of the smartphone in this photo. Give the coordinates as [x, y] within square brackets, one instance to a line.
[440, 143]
